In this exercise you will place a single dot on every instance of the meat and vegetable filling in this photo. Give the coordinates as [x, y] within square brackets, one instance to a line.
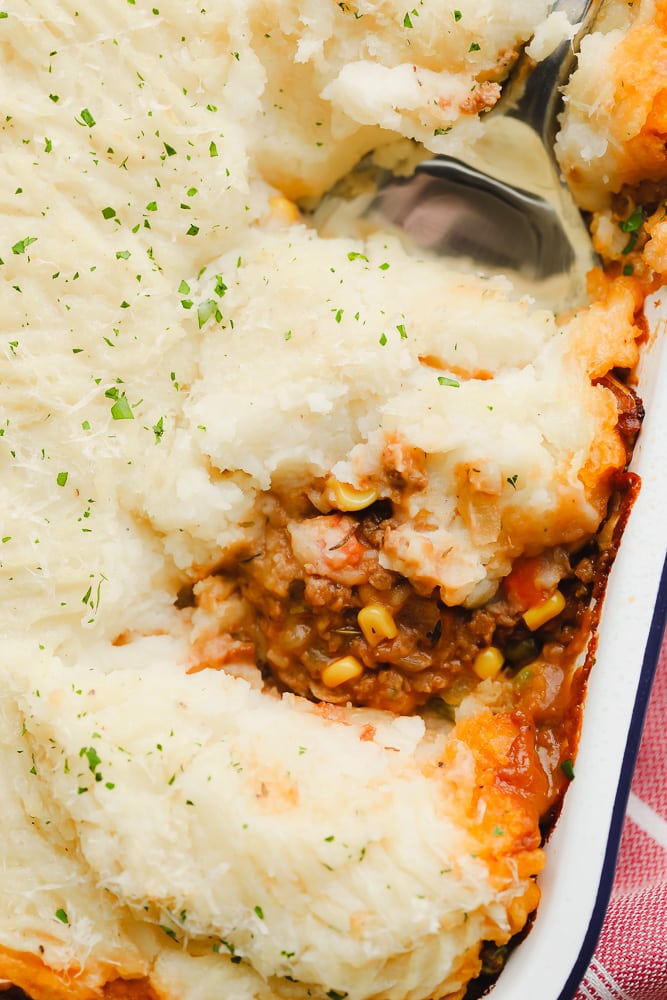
[330, 622]
[326, 620]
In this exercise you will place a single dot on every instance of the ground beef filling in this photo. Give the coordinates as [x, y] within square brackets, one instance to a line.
[305, 589]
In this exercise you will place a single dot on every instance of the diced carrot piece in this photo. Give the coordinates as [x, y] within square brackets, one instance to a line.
[521, 585]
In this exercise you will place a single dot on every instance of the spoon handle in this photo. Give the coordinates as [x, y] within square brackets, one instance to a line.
[534, 92]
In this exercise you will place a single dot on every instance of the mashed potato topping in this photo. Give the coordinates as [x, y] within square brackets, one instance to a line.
[222, 439]
[613, 133]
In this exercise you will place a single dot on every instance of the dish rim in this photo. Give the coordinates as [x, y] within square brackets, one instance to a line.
[630, 754]
[583, 849]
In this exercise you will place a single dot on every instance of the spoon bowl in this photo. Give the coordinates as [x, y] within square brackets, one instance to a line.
[508, 208]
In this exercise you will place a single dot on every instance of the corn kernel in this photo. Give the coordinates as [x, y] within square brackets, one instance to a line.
[543, 612]
[488, 662]
[284, 209]
[377, 623]
[349, 497]
[339, 671]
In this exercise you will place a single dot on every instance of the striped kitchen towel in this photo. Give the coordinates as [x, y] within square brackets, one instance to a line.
[630, 962]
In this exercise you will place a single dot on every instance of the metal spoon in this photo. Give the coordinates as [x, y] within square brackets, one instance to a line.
[477, 210]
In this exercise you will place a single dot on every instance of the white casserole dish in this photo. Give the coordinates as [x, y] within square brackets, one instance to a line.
[582, 851]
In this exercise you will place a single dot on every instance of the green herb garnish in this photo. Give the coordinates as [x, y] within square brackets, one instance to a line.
[21, 245]
[121, 409]
[567, 768]
[86, 118]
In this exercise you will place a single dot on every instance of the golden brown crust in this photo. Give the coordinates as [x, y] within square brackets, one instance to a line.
[129, 989]
[633, 114]
[40, 982]
[641, 96]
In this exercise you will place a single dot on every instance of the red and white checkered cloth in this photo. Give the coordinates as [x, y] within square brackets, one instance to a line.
[630, 961]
